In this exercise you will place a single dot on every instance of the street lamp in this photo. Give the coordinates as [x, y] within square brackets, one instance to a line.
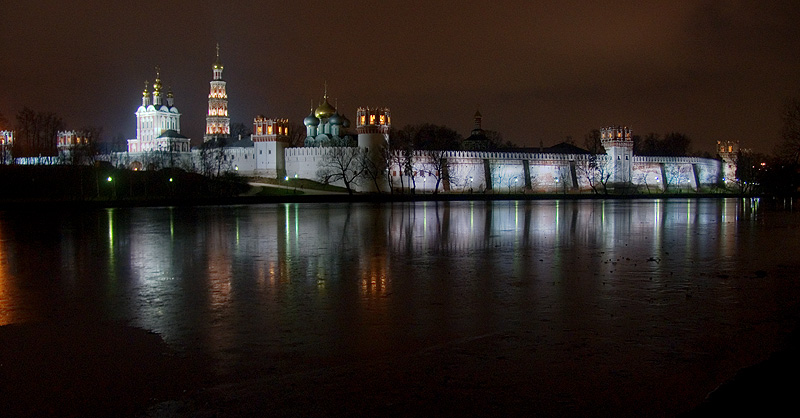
[113, 187]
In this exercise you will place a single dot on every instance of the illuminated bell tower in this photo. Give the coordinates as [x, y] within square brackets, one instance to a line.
[218, 124]
[618, 144]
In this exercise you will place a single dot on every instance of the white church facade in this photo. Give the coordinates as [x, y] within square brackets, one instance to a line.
[158, 123]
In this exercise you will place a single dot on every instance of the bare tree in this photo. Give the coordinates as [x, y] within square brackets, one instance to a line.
[214, 160]
[496, 141]
[400, 155]
[376, 167]
[596, 172]
[592, 142]
[673, 144]
[789, 148]
[642, 179]
[678, 176]
[437, 166]
[345, 164]
[36, 134]
[564, 178]
[239, 130]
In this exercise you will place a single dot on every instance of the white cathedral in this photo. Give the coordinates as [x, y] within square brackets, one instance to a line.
[158, 124]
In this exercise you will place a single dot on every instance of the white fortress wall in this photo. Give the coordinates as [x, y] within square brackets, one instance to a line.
[466, 171]
[507, 173]
[479, 171]
[709, 171]
[304, 162]
[242, 160]
[647, 175]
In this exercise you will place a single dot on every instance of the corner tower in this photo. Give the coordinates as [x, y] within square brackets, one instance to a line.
[270, 138]
[729, 151]
[618, 144]
[372, 125]
[218, 124]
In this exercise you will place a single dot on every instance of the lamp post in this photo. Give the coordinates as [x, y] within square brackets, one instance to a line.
[110, 181]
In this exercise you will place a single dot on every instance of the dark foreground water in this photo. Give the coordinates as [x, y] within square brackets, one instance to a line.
[574, 307]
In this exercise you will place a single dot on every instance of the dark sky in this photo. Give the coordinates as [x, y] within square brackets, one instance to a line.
[538, 71]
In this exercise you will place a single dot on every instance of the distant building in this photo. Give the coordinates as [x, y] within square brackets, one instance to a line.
[477, 141]
[158, 123]
[66, 140]
[6, 142]
[728, 150]
[218, 123]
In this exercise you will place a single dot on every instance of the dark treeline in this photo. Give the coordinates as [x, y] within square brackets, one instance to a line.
[777, 173]
[36, 133]
[102, 182]
[673, 144]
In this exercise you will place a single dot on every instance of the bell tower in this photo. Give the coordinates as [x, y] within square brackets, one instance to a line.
[218, 124]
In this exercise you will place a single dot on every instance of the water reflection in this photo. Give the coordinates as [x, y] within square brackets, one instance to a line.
[245, 281]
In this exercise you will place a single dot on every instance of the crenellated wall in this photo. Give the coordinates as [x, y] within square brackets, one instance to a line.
[503, 172]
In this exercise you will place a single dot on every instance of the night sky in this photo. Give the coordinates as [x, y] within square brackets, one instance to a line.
[538, 71]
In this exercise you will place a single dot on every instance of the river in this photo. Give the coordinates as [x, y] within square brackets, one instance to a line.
[605, 307]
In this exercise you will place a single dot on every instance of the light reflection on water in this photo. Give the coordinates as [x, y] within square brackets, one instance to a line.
[243, 282]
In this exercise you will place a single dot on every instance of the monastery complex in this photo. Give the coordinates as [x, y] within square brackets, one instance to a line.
[330, 134]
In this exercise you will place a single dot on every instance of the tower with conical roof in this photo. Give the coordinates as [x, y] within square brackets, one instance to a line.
[218, 124]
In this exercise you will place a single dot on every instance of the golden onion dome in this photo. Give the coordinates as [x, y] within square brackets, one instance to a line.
[157, 84]
[145, 93]
[325, 110]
